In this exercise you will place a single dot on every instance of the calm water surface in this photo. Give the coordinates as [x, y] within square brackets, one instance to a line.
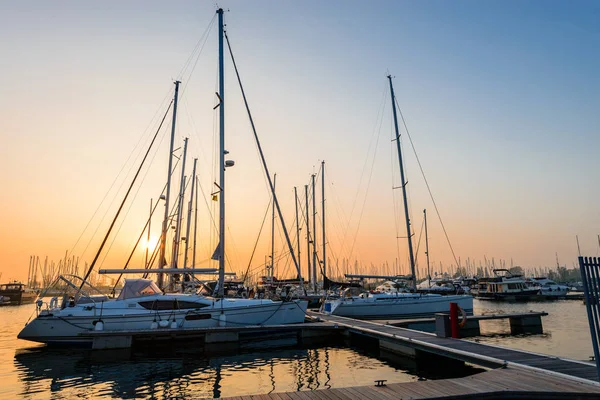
[566, 330]
[33, 371]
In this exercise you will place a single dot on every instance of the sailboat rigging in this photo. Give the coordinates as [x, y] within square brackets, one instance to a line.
[141, 303]
[395, 301]
[266, 169]
[403, 184]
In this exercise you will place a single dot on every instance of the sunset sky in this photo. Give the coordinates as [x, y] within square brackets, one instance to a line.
[501, 99]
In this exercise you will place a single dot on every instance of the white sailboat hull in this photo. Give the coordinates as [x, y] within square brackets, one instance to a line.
[62, 326]
[396, 305]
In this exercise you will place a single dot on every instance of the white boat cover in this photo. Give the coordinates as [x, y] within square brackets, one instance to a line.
[138, 288]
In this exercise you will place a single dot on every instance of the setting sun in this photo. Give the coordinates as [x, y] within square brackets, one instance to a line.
[151, 243]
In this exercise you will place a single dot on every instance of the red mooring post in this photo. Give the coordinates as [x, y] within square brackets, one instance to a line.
[454, 320]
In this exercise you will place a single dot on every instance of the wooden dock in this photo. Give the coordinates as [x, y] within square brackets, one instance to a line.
[417, 344]
[502, 383]
[217, 338]
[519, 323]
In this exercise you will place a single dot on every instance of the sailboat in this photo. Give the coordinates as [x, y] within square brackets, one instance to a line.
[141, 303]
[396, 304]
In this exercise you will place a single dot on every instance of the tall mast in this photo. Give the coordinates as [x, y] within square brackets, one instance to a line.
[297, 226]
[314, 215]
[163, 237]
[221, 245]
[272, 267]
[28, 284]
[427, 245]
[307, 235]
[177, 240]
[195, 224]
[189, 216]
[323, 218]
[148, 239]
[403, 185]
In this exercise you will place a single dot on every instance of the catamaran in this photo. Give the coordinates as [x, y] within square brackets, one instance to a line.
[396, 304]
[142, 304]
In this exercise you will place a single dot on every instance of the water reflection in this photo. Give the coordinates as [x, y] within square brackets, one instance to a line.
[179, 373]
[566, 332]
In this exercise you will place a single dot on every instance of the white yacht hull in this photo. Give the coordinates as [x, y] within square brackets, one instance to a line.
[559, 291]
[66, 325]
[401, 305]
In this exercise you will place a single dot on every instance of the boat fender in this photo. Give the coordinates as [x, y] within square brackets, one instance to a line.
[99, 326]
[53, 302]
[463, 321]
[154, 325]
[163, 323]
[222, 319]
[174, 324]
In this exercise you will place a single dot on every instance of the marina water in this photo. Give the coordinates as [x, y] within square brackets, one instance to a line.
[28, 370]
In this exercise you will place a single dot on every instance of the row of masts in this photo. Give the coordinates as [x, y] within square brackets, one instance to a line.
[180, 204]
[223, 164]
[312, 258]
[312, 253]
[41, 273]
[220, 251]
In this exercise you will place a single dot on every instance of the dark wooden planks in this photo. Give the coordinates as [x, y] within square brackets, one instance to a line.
[505, 380]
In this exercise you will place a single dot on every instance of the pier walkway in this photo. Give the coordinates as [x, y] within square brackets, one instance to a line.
[519, 323]
[410, 342]
[502, 383]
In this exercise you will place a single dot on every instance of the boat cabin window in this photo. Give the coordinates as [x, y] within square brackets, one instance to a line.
[11, 287]
[514, 286]
[171, 305]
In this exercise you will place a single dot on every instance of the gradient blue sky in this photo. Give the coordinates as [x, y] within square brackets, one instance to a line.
[502, 99]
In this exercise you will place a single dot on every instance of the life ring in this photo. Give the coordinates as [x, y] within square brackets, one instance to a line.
[463, 321]
[53, 303]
